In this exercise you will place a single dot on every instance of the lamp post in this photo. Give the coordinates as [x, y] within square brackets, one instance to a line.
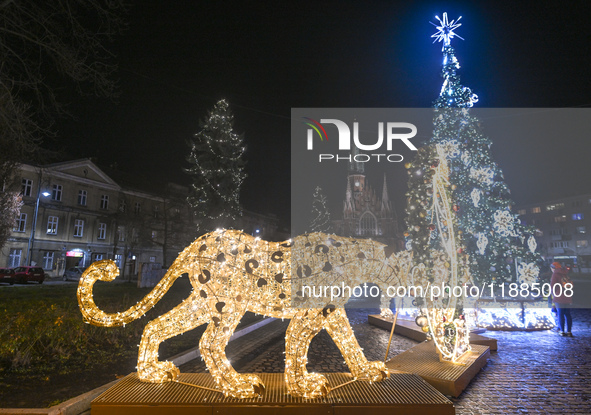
[32, 237]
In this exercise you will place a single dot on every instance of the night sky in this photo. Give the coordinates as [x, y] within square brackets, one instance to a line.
[178, 58]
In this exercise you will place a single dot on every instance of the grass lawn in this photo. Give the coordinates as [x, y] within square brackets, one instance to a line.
[48, 354]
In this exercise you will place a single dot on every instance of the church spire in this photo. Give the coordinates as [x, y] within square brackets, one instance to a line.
[385, 198]
[355, 167]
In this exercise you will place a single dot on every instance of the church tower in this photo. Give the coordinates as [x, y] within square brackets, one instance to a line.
[365, 214]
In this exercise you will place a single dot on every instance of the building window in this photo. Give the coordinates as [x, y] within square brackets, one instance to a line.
[523, 221]
[582, 243]
[536, 210]
[102, 231]
[56, 192]
[27, 187]
[367, 224]
[581, 229]
[138, 208]
[21, 223]
[122, 206]
[98, 257]
[156, 212]
[578, 216]
[48, 260]
[560, 244]
[152, 259]
[121, 233]
[154, 234]
[52, 222]
[78, 228]
[555, 206]
[576, 203]
[522, 211]
[119, 260]
[14, 257]
[105, 202]
[561, 218]
[82, 197]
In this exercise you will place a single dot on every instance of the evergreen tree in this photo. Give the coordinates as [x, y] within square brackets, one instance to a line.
[217, 169]
[499, 248]
[320, 213]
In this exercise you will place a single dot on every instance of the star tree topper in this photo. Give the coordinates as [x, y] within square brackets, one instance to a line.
[445, 30]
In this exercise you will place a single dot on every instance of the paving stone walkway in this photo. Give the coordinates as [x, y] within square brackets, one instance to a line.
[533, 372]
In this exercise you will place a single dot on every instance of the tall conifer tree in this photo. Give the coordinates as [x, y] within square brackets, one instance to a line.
[217, 169]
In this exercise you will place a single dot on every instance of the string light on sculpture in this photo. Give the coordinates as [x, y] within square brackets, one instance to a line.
[448, 330]
[231, 273]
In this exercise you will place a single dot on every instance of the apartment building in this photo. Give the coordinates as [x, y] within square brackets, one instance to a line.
[74, 214]
[563, 229]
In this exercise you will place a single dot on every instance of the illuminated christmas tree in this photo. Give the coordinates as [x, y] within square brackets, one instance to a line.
[320, 214]
[217, 169]
[499, 249]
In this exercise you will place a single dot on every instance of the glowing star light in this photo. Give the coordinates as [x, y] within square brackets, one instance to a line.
[445, 30]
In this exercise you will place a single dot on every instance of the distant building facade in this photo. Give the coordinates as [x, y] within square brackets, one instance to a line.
[74, 214]
[563, 229]
[367, 214]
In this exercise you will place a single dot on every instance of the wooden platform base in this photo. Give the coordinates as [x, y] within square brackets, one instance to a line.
[448, 378]
[408, 328]
[401, 394]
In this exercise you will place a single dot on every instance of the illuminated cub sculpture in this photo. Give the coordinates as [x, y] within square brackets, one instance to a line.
[233, 272]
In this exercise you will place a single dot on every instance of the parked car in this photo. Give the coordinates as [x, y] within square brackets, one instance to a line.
[7, 275]
[73, 273]
[23, 275]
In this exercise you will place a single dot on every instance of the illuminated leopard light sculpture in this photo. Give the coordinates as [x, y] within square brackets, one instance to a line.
[232, 272]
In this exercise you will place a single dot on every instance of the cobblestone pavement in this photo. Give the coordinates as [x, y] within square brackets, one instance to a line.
[533, 372]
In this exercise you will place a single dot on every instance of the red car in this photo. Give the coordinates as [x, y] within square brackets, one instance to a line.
[7, 275]
[23, 275]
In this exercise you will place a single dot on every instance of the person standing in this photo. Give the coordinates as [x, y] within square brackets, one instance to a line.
[562, 302]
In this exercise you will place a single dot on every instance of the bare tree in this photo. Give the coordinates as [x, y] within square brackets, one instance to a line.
[43, 44]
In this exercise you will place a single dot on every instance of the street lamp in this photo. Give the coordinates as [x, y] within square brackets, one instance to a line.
[32, 237]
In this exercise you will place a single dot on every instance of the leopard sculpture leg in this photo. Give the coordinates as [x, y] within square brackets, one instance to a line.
[182, 318]
[213, 349]
[305, 324]
[337, 325]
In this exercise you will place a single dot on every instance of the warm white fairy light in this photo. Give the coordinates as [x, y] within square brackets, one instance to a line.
[450, 334]
[231, 273]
